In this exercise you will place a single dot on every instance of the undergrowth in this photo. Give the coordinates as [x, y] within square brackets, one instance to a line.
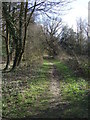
[20, 101]
[32, 96]
[74, 90]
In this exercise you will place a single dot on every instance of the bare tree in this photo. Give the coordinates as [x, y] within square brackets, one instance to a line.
[52, 33]
[19, 23]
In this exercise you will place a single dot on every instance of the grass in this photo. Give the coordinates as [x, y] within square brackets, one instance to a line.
[19, 102]
[74, 90]
[0, 107]
[33, 97]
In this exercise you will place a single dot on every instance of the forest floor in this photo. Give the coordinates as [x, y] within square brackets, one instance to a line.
[51, 91]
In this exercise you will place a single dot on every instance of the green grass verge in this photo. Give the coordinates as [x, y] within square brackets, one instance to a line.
[74, 90]
[19, 102]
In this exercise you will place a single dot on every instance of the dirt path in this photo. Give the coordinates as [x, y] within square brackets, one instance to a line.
[54, 86]
[56, 105]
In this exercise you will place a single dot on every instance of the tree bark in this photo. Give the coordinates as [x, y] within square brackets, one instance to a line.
[7, 47]
[7, 43]
[25, 30]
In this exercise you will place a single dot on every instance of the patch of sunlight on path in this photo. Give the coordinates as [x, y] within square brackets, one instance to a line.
[48, 63]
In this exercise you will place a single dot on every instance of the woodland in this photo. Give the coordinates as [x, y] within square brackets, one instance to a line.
[45, 66]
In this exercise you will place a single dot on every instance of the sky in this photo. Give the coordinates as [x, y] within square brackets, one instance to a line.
[79, 9]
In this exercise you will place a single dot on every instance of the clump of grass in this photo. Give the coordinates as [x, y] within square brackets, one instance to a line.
[74, 89]
[63, 69]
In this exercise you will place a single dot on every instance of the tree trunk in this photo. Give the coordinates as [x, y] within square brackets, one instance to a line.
[7, 43]
[7, 47]
[25, 31]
